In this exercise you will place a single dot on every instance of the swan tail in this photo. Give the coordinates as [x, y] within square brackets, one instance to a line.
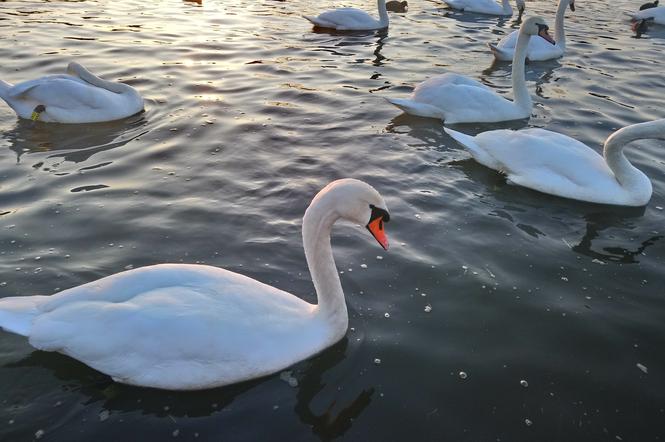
[470, 144]
[499, 53]
[418, 109]
[18, 313]
[4, 89]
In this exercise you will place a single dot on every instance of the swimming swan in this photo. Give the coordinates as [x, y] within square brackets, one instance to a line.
[459, 99]
[76, 97]
[554, 163]
[189, 327]
[539, 49]
[351, 19]
[655, 14]
[486, 6]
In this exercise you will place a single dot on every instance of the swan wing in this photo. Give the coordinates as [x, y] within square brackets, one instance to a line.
[657, 14]
[346, 19]
[464, 100]
[481, 6]
[550, 162]
[178, 326]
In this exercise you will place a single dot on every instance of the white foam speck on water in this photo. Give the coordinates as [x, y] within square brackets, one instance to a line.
[643, 368]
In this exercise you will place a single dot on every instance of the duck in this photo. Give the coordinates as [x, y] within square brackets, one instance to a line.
[489, 7]
[193, 327]
[655, 14]
[397, 6]
[554, 163]
[351, 19]
[539, 49]
[79, 96]
[649, 5]
[456, 98]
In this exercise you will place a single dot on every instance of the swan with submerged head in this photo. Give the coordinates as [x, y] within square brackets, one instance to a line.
[456, 98]
[351, 19]
[554, 163]
[489, 7]
[76, 97]
[539, 49]
[189, 327]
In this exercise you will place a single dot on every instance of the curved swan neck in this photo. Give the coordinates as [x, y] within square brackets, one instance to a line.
[89, 77]
[626, 173]
[316, 227]
[559, 34]
[522, 96]
[383, 12]
[507, 9]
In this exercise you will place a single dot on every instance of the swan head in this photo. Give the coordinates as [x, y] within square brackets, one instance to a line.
[536, 26]
[358, 202]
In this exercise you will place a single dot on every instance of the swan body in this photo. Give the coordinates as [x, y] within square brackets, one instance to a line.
[188, 327]
[539, 49]
[655, 14]
[351, 19]
[459, 99]
[76, 97]
[489, 7]
[554, 163]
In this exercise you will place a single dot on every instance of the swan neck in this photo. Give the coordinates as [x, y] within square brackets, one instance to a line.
[383, 12]
[507, 9]
[559, 34]
[626, 174]
[89, 77]
[317, 225]
[522, 97]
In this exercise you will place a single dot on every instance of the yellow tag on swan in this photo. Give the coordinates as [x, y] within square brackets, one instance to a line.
[34, 116]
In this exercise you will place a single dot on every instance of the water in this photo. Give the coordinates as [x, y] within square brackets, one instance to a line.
[248, 114]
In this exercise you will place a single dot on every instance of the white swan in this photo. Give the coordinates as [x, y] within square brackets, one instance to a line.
[489, 7]
[539, 49]
[351, 19]
[655, 14]
[187, 327]
[559, 165]
[459, 99]
[76, 97]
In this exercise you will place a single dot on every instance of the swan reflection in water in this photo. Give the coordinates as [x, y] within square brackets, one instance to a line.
[77, 379]
[72, 142]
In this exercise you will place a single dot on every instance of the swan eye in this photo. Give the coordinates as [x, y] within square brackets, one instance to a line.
[378, 212]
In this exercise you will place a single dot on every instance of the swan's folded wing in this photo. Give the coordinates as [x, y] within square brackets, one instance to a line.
[462, 103]
[22, 89]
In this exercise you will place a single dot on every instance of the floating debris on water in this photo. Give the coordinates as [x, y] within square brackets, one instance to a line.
[103, 415]
[463, 375]
[643, 368]
[528, 422]
[287, 377]
[377, 361]
[428, 308]
[524, 383]
[386, 314]
[39, 434]
[363, 266]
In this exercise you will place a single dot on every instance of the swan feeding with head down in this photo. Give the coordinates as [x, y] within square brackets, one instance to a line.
[539, 49]
[456, 98]
[554, 163]
[489, 7]
[76, 97]
[189, 327]
[351, 19]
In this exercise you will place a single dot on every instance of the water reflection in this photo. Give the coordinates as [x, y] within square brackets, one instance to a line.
[616, 217]
[78, 141]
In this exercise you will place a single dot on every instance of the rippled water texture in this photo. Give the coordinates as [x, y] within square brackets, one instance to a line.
[248, 114]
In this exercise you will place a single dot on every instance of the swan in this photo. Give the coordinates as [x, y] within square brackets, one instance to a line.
[655, 14]
[486, 6]
[459, 99]
[189, 327]
[351, 19]
[78, 96]
[539, 49]
[554, 163]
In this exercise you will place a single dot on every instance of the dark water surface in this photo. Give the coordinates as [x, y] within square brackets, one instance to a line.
[248, 114]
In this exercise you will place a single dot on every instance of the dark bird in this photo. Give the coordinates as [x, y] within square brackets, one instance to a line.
[649, 5]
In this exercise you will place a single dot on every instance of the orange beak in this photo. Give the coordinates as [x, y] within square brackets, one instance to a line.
[375, 227]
